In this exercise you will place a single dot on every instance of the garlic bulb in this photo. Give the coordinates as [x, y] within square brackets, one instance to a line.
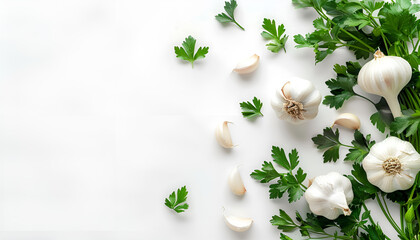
[247, 65]
[296, 101]
[235, 182]
[238, 224]
[223, 135]
[385, 76]
[392, 164]
[329, 195]
[348, 120]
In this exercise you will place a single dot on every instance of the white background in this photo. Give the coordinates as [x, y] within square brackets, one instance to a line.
[99, 121]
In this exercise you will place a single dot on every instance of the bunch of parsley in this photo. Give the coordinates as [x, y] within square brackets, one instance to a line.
[359, 225]
[363, 27]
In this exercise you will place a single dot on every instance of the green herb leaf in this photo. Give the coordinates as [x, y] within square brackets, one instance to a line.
[374, 232]
[330, 141]
[266, 174]
[230, 9]
[341, 88]
[377, 121]
[280, 158]
[186, 52]
[408, 124]
[360, 175]
[285, 237]
[274, 34]
[286, 182]
[283, 222]
[174, 200]
[361, 147]
[251, 111]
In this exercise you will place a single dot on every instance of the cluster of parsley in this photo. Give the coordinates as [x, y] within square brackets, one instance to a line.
[362, 27]
[291, 181]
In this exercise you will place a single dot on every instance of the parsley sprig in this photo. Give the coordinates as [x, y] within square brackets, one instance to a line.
[408, 123]
[174, 201]
[250, 110]
[275, 34]
[187, 51]
[329, 141]
[315, 227]
[230, 9]
[289, 182]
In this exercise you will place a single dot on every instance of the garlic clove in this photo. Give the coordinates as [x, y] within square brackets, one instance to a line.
[238, 224]
[223, 135]
[235, 182]
[247, 65]
[348, 120]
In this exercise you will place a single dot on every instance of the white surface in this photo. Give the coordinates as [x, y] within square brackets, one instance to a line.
[99, 121]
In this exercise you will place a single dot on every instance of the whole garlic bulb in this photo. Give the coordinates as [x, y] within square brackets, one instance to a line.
[385, 76]
[329, 195]
[298, 100]
[392, 164]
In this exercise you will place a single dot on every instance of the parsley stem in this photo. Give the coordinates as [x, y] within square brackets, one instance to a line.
[389, 218]
[345, 145]
[367, 210]
[237, 24]
[349, 45]
[417, 43]
[324, 16]
[402, 213]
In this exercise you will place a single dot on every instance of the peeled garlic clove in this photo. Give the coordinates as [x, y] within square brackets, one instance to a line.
[247, 65]
[235, 182]
[223, 135]
[238, 224]
[348, 120]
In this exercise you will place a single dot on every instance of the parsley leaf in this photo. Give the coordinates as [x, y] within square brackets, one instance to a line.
[285, 237]
[229, 8]
[362, 188]
[408, 124]
[283, 222]
[174, 200]
[186, 52]
[374, 232]
[341, 88]
[376, 120]
[286, 182]
[251, 111]
[278, 42]
[361, 147]
[266, 174]
[383, 118]
[328, 140]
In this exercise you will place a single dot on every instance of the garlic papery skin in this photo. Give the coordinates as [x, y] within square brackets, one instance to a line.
[248, 65]
[238, 224]
[392, 164]
[348, 120]
[329, 195]
[223, 135]
[297, 101]
[235, 182]
[385, 76]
